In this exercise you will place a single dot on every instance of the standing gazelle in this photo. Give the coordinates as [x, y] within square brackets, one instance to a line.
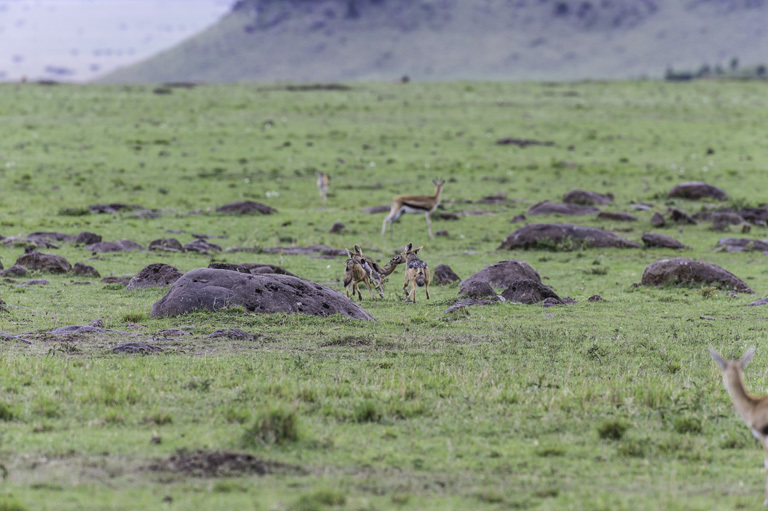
[414, 204]
[752, 409]
[323, 182]
[416, 272]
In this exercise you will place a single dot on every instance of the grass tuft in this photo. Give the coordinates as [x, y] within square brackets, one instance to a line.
[613, 429]
[275, 426]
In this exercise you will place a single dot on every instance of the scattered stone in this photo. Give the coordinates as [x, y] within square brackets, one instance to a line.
[587, 198]
[85, 329]
[461, 305]
[201, 246]
[27, 243]
[686, 271]
[708, 318]
[518, 218]
[654, 240]
[147, 214]
[336, 228]
[254, 268]
[553, 235]
[641, 206]
[245, 208]
[154, 275]
[696, 190]
[166, 244]
[310, 250]
[87, 238]
[374, 210]
[552, 208]
[755, 216]
[528, 291]
[551, 302]
[173, 332]
[231, 333]
[122, 245]
[680, 217]
[445, 215]
[742, 244]
[207, 288]
[443, 275]
[762, 301]
[124, 280]
[619, 217]
[502, 274]
[49, 263]
[595, 298]
[84, 270]
[657, 220]
[209, 236]
[35, 282]
[719, 217]
[493, 199]
[442, 233]
[14, 271]
[136, 347]
[521, 142]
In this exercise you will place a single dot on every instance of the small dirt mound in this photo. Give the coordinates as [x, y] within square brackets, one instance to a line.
[686, 271]
[122, 245]
[554, 208]
[136, 347]
[654, 240]
[231, 333]
[742, 244]
[245, 208]
[680, 217]
[443, 275]
[502, 274]
[696, 190]
[84, 270]
[165, 244]
[617, 216]
[528, 291]
[50, 263]
[201, 246]
[208, 288]
[114, 207]
[477, 289]
[154, 275]
[562, 236]
[220, 464]
[587, 198]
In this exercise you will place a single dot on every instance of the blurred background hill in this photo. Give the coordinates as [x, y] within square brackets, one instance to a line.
[355, 40]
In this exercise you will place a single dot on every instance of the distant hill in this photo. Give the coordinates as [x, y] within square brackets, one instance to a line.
[362, 40]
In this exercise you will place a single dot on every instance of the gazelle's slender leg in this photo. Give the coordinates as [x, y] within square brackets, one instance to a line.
[429, 224]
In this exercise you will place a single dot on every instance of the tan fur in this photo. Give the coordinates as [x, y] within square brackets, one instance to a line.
[354, 273]
[323, 182]
[416, 272]
[753, 410]
[414, 204]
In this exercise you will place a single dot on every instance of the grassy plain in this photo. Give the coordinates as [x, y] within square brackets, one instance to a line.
[606, 405]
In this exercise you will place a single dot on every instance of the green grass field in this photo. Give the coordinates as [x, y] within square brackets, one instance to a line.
[608, 405]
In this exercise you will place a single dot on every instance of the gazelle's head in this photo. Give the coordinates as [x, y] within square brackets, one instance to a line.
[732, 368]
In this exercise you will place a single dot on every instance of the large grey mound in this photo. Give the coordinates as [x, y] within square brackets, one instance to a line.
[532, 236]
[208, 288]
[500, 275]
[686, 271]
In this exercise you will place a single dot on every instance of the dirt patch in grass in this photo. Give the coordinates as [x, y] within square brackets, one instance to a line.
[202, 463]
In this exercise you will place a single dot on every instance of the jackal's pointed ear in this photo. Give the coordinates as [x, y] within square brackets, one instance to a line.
[746, 358]
[348, 252]
[358, 250]
[408, 247]
[718, 358]
[416, 251]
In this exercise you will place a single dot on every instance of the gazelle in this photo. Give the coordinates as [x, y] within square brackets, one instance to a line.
[355, 272]
[414, 204]
[416, 272]
[752, 409]
[323, 181]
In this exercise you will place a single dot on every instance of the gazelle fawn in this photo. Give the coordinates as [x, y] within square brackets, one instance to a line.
[354, 273]
[414, 204]
[416, 272]
[323, 181]
[752, 409]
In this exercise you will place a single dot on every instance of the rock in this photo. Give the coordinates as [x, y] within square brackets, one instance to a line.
[719, 217]
[587, 198]
[477, 289]
[154, 275]
[254, 268]
[552, 208]
[173, 332]
[755, 216]
[231, 333]
[442, 233]
[136, 347]
[461, 305]
[443, 275]
[85, 329]
[201, 246]
[115, 207]
[122, 245]
[245, 208]
[518, 218]
[742, 244]
[207, 288]
[501, 275]
[553, 235]
[35, 282]
[686, 271]
[14, 271]
[595, 298]
[657, 220]
[166, 244]
[84, 270]
[49, 263]
[336, 228]
[756, 303]
[493, 199]
[654, 240]
[619, 217]
[374, 210]
[117, 280]
[696, 190]
[312, 249]
[528, 291]
[87, 238]
[680, 217]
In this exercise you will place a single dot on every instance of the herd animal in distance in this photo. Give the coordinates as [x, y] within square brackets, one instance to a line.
[426, 204]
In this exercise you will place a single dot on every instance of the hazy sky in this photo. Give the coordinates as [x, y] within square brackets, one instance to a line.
[77, 40]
